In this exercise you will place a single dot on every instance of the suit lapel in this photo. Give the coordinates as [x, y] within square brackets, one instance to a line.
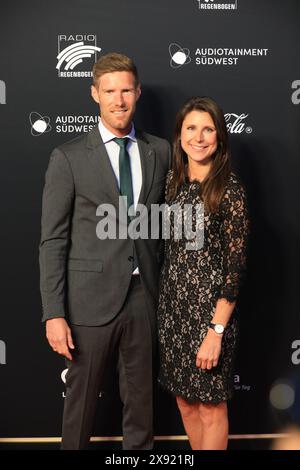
[99, 159]
[147, 155]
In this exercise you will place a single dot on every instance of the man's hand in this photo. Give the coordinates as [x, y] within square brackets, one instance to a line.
[59, 336]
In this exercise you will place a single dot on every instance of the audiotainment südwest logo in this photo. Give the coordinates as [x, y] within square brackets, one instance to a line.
[64, 124]
[78, 52]
[2, 92]
[220, 56]
[296, 94]
[213, 5]
[2, 352]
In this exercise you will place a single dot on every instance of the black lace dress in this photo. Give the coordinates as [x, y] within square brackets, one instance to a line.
[191, 283]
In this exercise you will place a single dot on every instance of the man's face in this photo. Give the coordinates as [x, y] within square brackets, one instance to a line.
[117, 94]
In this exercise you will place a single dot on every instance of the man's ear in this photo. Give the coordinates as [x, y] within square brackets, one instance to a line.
[94, 93]
[138, 91]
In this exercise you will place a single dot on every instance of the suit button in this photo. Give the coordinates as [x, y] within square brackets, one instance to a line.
[130, 258]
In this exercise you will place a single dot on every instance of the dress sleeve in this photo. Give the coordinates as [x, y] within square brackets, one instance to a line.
[234, 237]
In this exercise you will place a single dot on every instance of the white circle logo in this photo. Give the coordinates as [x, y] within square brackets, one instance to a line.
[39, 124]
[178, 55]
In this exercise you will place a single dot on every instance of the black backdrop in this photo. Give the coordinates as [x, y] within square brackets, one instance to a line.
[247, 59]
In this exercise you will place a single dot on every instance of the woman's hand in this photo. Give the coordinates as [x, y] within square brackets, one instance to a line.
[209, 351]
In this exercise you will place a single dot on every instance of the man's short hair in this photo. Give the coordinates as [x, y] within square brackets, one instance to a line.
[114, 62]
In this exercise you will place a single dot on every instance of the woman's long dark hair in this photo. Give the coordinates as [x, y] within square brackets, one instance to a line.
[213, 186]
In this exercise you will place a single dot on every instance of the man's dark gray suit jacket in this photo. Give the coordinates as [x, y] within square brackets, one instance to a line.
[83, 278]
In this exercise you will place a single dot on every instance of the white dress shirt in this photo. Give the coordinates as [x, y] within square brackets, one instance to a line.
[113, 150]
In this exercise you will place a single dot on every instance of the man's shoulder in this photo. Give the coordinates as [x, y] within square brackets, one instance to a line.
[152, 139]
[78, 143]
[89, 139]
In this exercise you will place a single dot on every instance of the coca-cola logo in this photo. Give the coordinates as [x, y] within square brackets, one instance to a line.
[236, 123]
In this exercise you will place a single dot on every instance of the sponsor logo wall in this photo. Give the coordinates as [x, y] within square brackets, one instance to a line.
[69, 124]
[241, 53]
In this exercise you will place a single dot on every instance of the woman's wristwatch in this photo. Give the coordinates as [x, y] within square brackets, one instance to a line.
[218, 327]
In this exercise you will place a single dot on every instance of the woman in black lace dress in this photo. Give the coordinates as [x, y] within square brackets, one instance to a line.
[199, 286]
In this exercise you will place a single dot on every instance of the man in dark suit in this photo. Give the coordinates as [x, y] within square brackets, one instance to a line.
[100, 294]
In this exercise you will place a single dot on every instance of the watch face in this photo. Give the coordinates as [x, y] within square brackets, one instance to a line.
[219, 328]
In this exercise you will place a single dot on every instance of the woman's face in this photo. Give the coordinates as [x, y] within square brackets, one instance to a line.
[198, 136]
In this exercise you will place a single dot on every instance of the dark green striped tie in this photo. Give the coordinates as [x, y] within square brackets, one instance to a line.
[125, 171]
[126, 180]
